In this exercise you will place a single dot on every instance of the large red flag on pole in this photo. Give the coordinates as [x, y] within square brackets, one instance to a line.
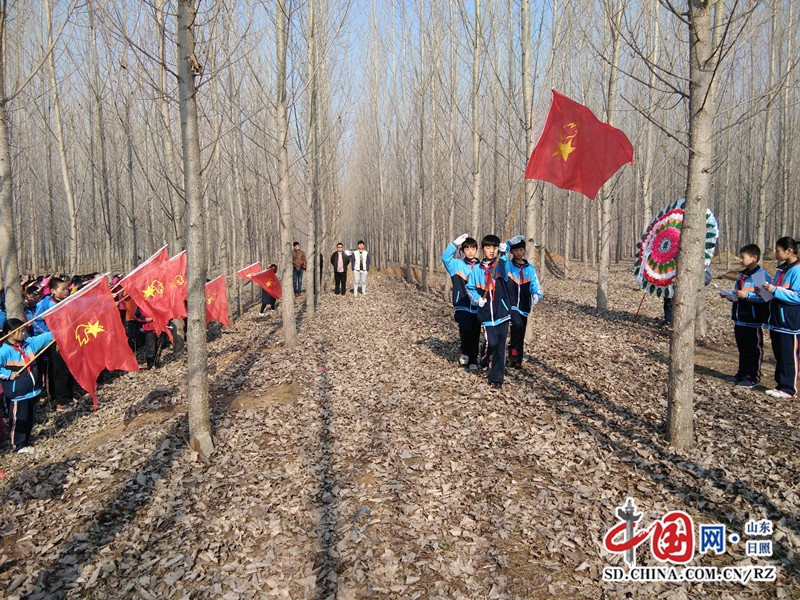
[247, 272]
[217, 301]
[268, 281]
[89, 334]
[575, 151]
[146, 288]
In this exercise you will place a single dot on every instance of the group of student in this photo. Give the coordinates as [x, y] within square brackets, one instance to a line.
[23, 379]
[491, 295]
[759, 301]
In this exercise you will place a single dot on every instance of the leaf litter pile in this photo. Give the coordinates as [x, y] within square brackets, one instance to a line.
[367, 464]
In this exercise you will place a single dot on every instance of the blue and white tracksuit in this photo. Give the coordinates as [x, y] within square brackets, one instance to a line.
[495, 314]
[21, 393]
[749, 315]
[784, 326]
[466, 312]
[39, 326]
[524, 291]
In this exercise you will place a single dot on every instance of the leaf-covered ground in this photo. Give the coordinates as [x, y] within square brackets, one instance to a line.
[469, 492]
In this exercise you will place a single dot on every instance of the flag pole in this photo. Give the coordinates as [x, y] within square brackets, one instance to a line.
[508, 232]
[28, 364]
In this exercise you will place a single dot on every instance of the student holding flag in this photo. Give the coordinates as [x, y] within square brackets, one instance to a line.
[20, 380]
[466, 311]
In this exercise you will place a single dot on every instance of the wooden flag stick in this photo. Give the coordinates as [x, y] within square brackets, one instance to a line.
[638, 309]
[508, 232]
[30, 362]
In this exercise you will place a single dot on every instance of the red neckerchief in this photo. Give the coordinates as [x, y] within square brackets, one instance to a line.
[779, 278]
[490, 281]
[24, 356]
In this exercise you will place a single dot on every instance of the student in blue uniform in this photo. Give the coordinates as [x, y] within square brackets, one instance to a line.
[749, 312]
[525, 291]
[20, 381]
[466, 311]
[784, 318]
[487, 286]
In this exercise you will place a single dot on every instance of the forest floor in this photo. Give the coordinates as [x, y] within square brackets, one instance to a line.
[469, 492]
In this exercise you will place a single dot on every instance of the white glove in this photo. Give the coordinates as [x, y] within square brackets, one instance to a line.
[516, 240]
[481, 302]
[460, 239]
[503, 247]
[348, 252]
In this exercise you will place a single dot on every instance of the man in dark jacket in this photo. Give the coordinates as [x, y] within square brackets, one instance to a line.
[339, 261]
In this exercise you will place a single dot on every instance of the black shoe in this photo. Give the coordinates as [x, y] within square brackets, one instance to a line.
[497, 385]
[734, 379]
[747, 382]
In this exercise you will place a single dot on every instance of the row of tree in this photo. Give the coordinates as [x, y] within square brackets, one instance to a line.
[403, 123]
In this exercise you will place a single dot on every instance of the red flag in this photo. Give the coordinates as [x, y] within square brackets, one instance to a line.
[217, 301]
[145, 285]
[248, 271]
[268, 281]
[575, 151]
[89, 334]
[175, 294]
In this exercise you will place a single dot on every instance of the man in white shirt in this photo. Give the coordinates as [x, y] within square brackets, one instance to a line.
[360, 261]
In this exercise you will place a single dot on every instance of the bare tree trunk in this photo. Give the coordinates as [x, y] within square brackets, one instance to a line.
[649, 160]
[197, 373]
[101, 133]
[72, 210]
[761, 217]
[312, 168]
[285, 255]
[607, 200]
[170, 155]
[689, 281]
[8, 244]
[476, 137]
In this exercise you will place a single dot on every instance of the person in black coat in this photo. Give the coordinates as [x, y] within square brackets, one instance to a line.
[340, 260]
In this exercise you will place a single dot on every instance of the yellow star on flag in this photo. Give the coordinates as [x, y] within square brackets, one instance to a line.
[149, 292]
[82, 331]
[211, 298]
[268, 284]
[564, 150]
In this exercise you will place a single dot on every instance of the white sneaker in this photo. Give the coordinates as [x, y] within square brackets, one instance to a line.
[25, 450]
[473, 368]
[463, 360]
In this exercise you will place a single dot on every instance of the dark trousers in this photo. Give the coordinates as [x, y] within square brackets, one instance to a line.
[153, 344]
[496, 336]
[340, 281]
[297, 280]
[131, 329]
[518, 324]
[22, 415]
[668, 310]
[750, 342]
[61, 383]
[786, 348]
[469, 329]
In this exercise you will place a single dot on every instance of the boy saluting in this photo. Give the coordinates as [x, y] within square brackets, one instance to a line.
[466, 311]
[487, 286]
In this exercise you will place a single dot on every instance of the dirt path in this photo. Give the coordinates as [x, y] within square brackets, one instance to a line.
[455, 490]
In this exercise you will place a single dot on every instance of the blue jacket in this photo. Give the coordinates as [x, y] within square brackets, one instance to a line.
[784, 308]
[752, 311]
[497, 309]
[459, 271]
[39, 326]
[12, 358]
[523, 286]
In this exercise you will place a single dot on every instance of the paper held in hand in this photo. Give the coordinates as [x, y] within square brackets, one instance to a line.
[728, 295]
[759, 281]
